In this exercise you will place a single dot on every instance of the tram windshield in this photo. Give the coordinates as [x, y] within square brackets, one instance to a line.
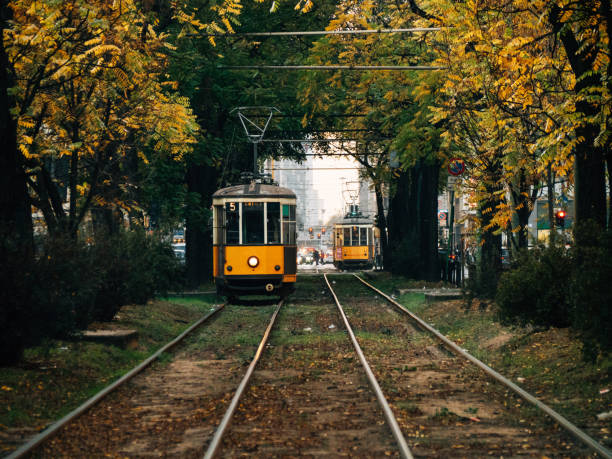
[245, 223]
[252, 222]
[274, 223]
[355, 235]
[363, 236]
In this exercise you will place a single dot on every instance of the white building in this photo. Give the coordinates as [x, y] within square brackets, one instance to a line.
[320, 184]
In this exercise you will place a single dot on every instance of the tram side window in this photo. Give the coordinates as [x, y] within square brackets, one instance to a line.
[363, 236]
[371, 235]
[273, 224]
[252, 223]
[347, 236]
[289, 225]
[354, 235]
[218, 229]
[232, 223]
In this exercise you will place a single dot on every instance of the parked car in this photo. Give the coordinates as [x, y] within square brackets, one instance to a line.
[505, 258]
[179, 251]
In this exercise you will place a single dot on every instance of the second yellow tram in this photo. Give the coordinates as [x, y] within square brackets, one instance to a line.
[254, 240]
[355, 242]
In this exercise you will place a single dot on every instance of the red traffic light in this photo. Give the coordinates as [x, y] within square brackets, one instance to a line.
[310, 230]
[560, 218]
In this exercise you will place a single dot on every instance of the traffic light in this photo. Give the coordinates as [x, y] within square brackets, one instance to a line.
[560, 218]
[310, 230]
[323, 230]
[318, 235]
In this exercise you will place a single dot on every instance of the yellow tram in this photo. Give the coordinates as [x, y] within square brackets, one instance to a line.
[254, 240]
[355, 241]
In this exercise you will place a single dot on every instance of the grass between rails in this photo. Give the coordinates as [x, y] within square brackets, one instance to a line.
[547, 363]
[53, 379]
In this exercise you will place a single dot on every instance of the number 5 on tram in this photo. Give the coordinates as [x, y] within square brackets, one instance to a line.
[254, 240]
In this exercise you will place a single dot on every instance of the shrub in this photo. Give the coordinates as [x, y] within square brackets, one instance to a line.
[16, 269]
[483, 278]
[536, 290]
[46, 296]
[69, 284]
[67, 278]
[137, 266]
[590, 292]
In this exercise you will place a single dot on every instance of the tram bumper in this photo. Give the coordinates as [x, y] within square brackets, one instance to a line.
[264, 283]
[356, 263]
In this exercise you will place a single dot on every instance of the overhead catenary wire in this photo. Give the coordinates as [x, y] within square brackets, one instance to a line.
[310, 168]
[320, 32]
[330, 67]
[326, 140]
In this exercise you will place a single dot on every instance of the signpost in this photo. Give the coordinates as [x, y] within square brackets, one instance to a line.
[456, 167]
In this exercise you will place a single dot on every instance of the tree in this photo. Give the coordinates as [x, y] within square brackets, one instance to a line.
[382, 104]
[92, 102]
[15, 214]
[540, 70]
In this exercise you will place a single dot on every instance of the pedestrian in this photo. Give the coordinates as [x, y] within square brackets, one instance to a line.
[315, 255]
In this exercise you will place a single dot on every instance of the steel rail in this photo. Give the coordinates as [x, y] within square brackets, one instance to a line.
[574, 430]
[215, 443]
[45, 434]
[389, 416]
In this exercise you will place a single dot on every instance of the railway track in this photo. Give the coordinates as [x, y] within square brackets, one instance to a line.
[313, 410]
[31, 446]
[436, 387]
[164, 404]
[310, 395]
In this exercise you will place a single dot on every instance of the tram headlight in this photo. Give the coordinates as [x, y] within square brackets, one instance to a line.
[253, 261]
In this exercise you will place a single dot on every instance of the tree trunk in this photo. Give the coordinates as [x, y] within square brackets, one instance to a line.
[550, 184]
[589, 185]
[15, 211]
[523, 205]
[609, 165]
[413, 226]
[202, 182]
[489, 267]
[589, 169]
[382, 223]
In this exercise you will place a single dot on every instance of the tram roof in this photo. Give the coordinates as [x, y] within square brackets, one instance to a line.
[254, 190]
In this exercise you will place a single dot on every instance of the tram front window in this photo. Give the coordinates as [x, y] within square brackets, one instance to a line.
[232, 225]
[363, 235]
[355, 236]
[252, 223]
[273, 223]
[347, 236]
